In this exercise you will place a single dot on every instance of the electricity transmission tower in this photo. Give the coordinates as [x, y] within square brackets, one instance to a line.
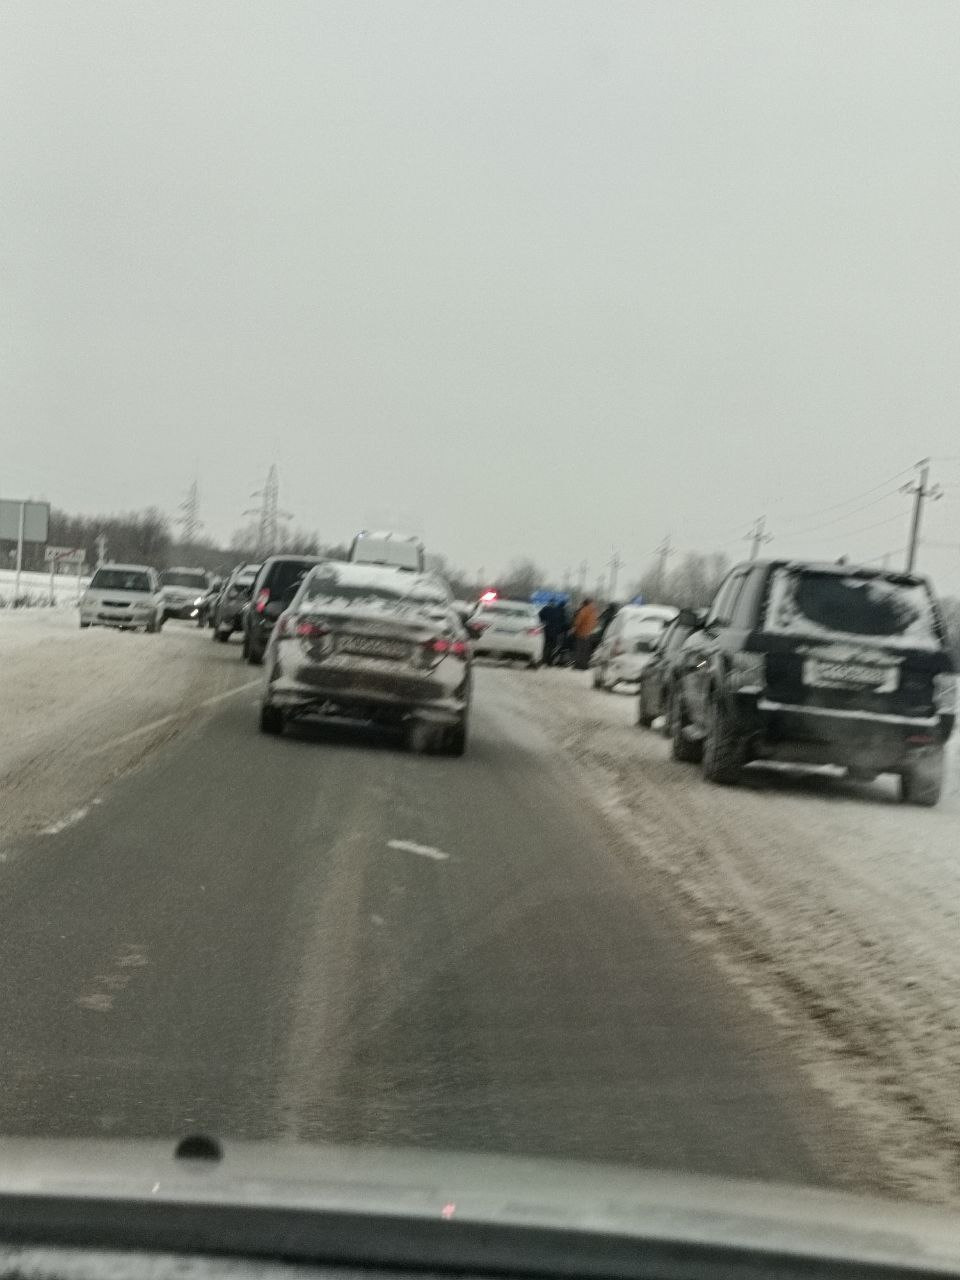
[268, 513]
[189, 521]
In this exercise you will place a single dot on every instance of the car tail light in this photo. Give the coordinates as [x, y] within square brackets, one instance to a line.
[945, 693]
[456, 648]
[263, 598]
[309, 630]
[534, 631]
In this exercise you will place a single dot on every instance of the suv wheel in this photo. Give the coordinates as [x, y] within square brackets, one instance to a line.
[221, 635]
[724, 750]
[644, 718]
[682, 748]
[454, 740]
[254, 655]
[271, 720]
[921, 780]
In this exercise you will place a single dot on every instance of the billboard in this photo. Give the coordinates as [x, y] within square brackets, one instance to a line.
[36, 517]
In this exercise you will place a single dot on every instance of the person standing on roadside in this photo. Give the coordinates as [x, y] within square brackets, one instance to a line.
[584, 625]
[548, 618]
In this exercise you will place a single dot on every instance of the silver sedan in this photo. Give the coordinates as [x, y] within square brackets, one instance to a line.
[371, 643]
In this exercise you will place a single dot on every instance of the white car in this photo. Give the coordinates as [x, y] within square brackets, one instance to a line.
[183, 592]
[125, 596]
[628, 643]
[507, 629]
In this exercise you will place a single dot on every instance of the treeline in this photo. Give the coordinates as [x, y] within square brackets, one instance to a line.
[149, 537]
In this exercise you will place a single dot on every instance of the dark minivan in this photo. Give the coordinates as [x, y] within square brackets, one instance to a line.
[277, 583]
[818, 664]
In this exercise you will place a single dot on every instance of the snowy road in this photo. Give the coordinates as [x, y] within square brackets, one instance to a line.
[563, 944]
[836, 909]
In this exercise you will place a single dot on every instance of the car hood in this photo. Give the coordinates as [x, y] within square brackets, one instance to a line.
[183, 593]
[100, 594]
[436, 1204]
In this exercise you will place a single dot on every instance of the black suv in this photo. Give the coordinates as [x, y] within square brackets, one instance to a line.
[818, 664]
[277, 583]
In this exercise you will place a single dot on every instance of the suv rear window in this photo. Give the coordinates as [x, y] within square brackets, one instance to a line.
[893, 610]
[283, 575]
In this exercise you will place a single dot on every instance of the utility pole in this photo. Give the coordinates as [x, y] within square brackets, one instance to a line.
[20, 522]
[101, 544]
[920, 489]
[664, 551]
[758, 536]
[614, 564]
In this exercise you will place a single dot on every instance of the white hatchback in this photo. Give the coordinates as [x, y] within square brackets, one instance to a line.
[628, 643]
[125, 596]
[507, 629]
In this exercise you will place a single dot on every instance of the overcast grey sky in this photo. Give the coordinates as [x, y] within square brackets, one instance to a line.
[540, 278]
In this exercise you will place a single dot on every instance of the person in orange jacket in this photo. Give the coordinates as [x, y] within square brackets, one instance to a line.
[583, 627]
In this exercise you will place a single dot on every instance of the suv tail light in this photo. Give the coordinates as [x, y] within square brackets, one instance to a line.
[307, 629]
[263, 598]
[945, 693]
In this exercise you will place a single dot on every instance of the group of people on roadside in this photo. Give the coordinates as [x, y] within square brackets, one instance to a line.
[567, 639]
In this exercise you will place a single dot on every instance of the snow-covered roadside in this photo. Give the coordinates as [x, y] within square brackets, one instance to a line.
[834, 907]
[35, 588]
[78, 708]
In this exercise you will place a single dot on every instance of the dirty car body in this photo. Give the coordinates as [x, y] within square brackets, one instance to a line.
[370, 643]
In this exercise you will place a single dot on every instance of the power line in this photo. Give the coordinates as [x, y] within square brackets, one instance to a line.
[824, 524]
[864, 493]
[852, 533]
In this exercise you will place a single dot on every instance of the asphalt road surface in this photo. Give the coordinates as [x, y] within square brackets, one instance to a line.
[324, 937]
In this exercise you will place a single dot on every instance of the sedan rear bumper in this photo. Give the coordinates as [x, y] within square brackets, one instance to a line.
[369, 690]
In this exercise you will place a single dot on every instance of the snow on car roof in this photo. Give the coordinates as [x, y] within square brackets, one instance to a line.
[378, 577]
[127, 568]
[388, 534]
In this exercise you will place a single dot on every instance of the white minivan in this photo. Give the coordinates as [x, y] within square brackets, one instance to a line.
[125, 596]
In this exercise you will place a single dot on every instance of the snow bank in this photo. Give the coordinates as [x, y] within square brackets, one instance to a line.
[836, 908]
[80, 706]
[36, 588]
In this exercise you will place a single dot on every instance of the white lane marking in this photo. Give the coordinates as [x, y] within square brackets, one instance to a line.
[61, 824]
[157, 724]
[423, 850]
[105, 987]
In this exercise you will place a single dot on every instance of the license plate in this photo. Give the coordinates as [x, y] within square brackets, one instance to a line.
[849, 675]
[371, 647]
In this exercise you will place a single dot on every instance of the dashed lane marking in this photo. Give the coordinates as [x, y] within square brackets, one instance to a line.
[422, 850]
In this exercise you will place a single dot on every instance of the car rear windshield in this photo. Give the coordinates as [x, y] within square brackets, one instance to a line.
[119, 580]
[336, 586]
[172, 579]
[822, 604]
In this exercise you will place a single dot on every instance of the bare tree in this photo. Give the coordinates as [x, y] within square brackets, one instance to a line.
[521, 580]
